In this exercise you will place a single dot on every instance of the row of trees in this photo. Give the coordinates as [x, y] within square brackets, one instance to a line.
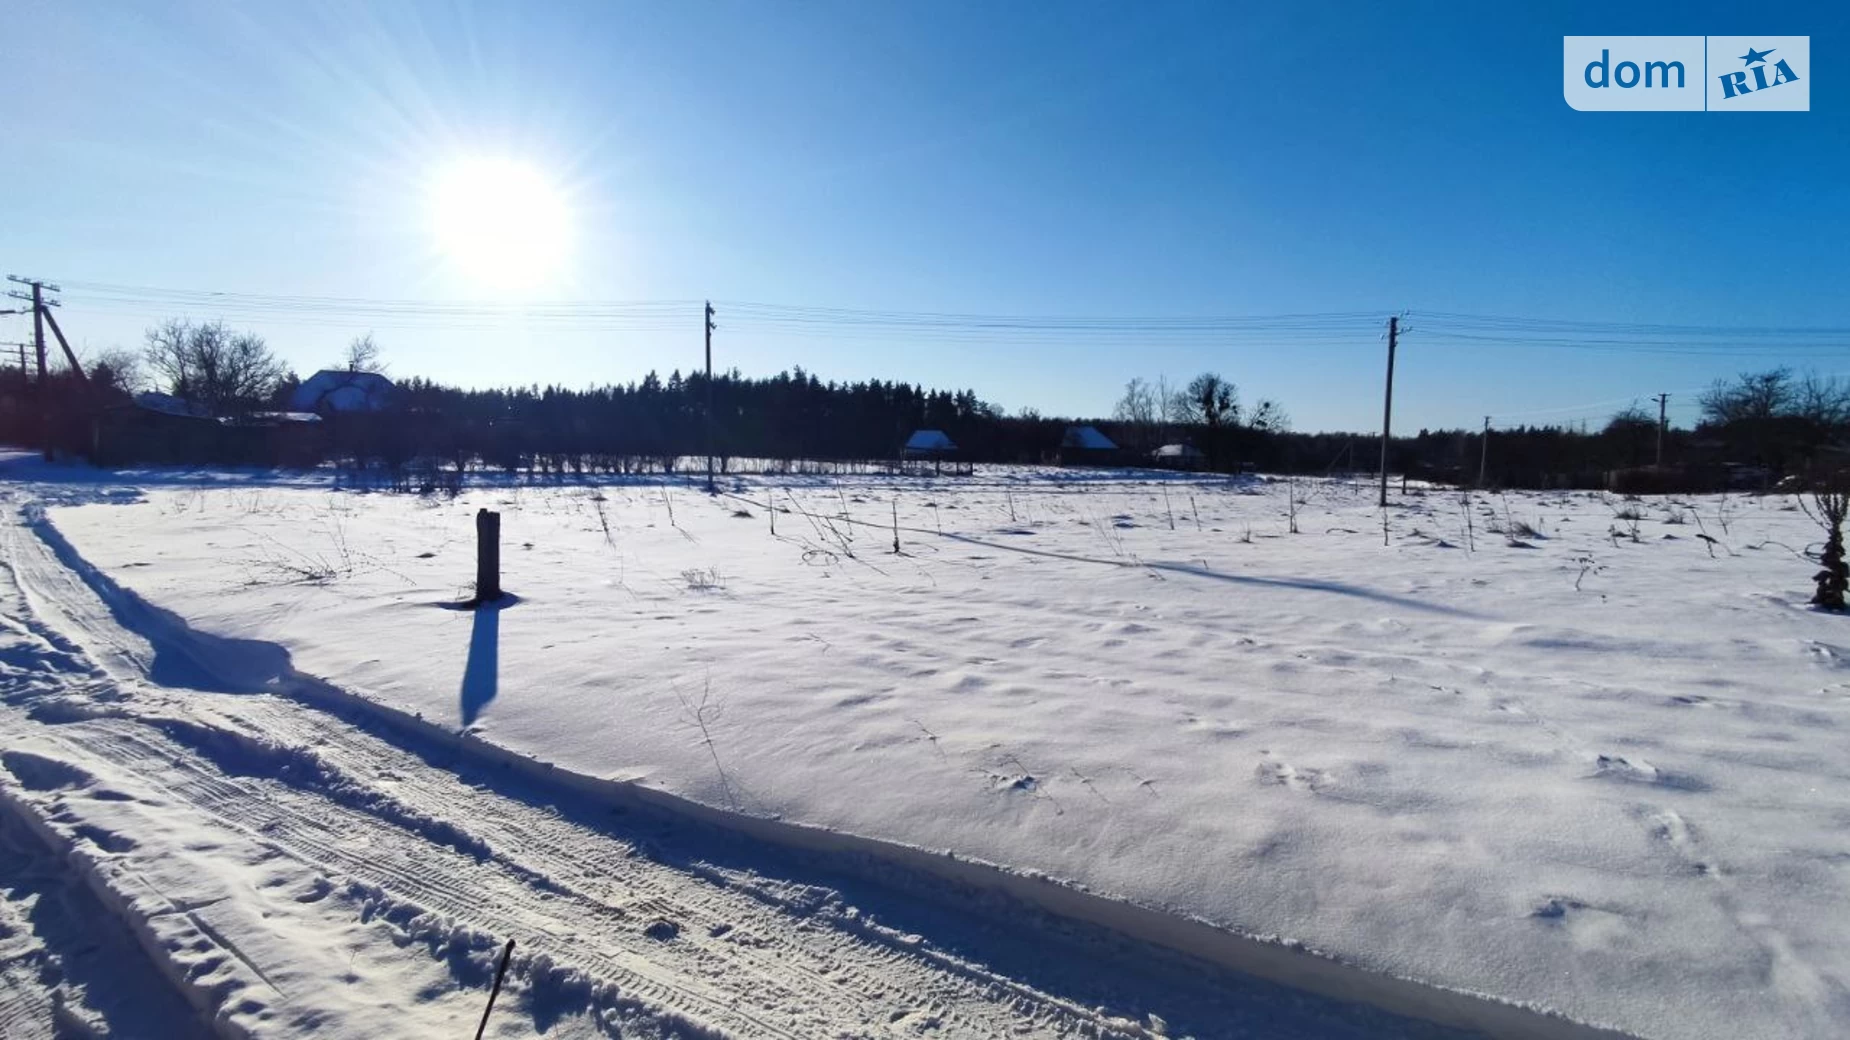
[793, 414]
[1784, 421]
[790, 415]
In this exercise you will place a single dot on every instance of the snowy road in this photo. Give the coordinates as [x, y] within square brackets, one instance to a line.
[288, 871]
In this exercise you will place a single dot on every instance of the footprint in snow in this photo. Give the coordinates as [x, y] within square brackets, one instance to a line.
[1827, 654]
[1024, 782]
[1284, 774]
[1638, 771]
[1589, 925]
[1555, 908]
[1622, 768]
[1669, 826]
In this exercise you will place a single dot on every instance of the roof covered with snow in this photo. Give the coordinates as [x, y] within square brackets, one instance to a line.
[168, 404]
[1088, 438]
[930, 440]
[271, 418]
[336, 390]
[1177, 451]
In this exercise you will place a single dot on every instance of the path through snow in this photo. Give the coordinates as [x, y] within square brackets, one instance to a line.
[290, 872]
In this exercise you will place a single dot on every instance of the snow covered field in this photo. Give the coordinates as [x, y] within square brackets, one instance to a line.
[1592, 773]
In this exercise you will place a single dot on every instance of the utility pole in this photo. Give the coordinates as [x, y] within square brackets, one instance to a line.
[1483, 455]
[21, 344]
[710, 327]
[41, 313]
[1663, 401]
[1387, 407]
[38, 327]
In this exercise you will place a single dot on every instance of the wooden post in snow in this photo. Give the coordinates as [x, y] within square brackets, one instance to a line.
[487, 556]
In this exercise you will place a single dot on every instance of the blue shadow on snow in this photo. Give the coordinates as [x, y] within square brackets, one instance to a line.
[482, 671]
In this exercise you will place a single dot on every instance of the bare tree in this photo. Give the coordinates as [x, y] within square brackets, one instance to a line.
[1138, 405]
[1172, 404]
[1750, 397]
[117, 367]
[1270, 417]
[211, 365]
[1138, 409]
[363, 355]
[1631, 417]
[1822, 401]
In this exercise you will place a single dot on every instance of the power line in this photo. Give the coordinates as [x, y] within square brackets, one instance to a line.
[1327, 329]
[1803, 348]
[1559, 324]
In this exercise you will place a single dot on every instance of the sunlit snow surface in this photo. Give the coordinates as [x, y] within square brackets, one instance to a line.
[1529, 747]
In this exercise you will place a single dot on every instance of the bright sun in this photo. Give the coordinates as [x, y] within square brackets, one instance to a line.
[500, 222]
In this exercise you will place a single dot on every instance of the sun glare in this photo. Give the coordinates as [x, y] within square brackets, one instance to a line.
[500, 222]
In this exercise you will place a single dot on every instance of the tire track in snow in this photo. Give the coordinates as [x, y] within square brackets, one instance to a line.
[311, 834]
[699, 929]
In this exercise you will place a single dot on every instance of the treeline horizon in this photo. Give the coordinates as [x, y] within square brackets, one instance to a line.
[1774, 419]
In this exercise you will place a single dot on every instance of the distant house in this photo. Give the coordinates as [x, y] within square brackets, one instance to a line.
[336, 390]
[1087, 446]
[928, 444]
[1178, 456]
[932, 446]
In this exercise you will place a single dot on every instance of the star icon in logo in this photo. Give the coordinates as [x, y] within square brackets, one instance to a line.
[1753, 57]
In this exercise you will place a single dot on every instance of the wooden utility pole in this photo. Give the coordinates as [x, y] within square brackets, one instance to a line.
[1663, 402]
[41, 313]
[1387, 406]
[38, 326]
[710, 327]
[1483, 454]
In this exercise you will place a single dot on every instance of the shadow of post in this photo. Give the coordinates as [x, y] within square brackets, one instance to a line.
[482, 671]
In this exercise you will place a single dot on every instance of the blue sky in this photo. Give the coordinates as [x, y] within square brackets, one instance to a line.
[1061, 159]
